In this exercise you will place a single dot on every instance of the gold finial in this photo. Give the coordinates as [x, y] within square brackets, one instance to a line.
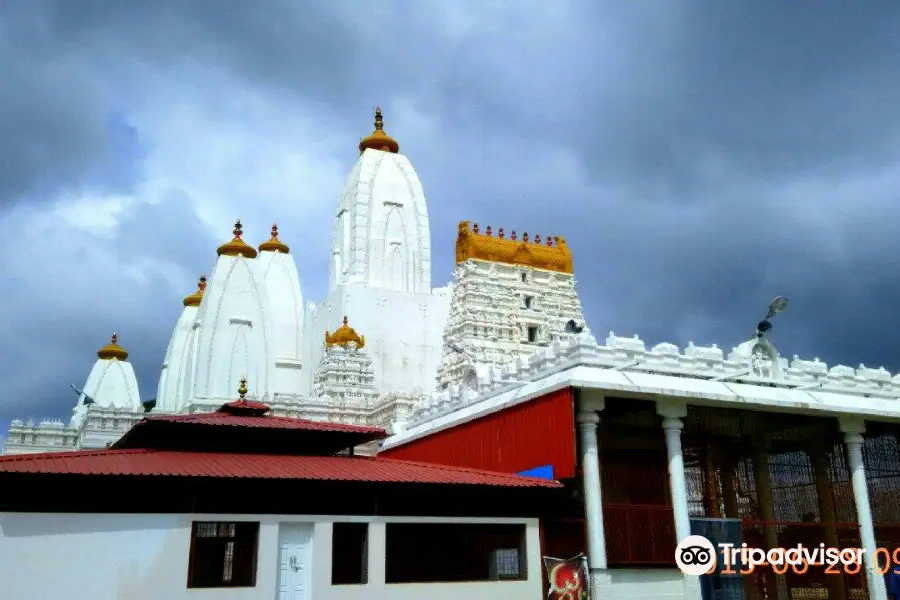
[112, 350]
[379, 140]
[237, 246]
[195, 298]
[242, 389]
[344, 335]
[274, 244]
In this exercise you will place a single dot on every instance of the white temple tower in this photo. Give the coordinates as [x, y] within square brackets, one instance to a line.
[281, 281]
[345, 377]
[169, 394]
[110, 384]
[234, 330]
[510, 297]
[380, 269]
[108, 405]
[381, 235]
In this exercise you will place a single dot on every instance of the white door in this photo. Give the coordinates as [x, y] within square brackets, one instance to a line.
[294, 558]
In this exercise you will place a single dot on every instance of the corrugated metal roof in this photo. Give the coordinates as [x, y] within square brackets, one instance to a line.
[267, 421]
[164, 463]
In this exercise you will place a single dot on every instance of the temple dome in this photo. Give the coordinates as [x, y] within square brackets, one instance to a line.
[112, 350]
[195, 298]
[110, 384]
[344, 335]
[274, 244]
[379, 140]
[237, 246]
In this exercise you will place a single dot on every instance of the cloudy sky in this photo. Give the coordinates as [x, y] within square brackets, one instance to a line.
[699, 156]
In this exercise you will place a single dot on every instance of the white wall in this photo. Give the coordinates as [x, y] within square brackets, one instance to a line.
[145, 557]
[649, 584]
[403, 333]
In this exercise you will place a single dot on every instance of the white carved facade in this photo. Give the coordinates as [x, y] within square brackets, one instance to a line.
[500, 311]
[345, 379]
[625, 365]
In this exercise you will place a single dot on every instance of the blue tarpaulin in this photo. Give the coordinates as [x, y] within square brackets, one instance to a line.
[545, 472]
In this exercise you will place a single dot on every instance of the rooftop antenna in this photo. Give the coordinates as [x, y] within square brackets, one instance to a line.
[87, 399]
[778, 305]
[471, 372]
[573, 327]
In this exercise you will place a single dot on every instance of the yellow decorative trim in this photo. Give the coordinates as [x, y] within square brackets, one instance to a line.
[344, 335]
[379, 140]
[237, 246]
[195, 298]
[112, 350]
[553, 256]
[242, 388]
[274, 244]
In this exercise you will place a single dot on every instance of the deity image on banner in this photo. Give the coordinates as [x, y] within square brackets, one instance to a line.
[568, 578]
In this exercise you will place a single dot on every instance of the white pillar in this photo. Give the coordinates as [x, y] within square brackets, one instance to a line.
[672, 414]
[853, 430]
[593, 502]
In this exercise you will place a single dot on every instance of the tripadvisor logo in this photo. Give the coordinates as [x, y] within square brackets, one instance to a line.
[695, 555]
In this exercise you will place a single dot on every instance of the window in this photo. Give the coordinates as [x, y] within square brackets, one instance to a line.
[524, 276]
[349, 553]
[223, 554]
[532, 334]
[528, 301]
[443, 552]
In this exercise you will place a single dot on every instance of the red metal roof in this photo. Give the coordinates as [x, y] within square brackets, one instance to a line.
[268, 422]
[167, 463]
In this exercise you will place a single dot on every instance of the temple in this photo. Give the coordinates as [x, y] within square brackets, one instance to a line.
[498, 370]
[341, 359]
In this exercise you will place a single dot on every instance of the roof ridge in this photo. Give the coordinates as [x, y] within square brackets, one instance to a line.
[10, 458]
[268, 417]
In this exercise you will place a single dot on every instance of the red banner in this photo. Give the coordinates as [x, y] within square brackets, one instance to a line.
[569, 579]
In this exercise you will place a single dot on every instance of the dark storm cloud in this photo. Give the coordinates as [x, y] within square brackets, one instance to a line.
[699, 157]
[51, 110]
[68, 315]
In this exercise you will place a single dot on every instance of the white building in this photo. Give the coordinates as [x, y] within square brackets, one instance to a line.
[825, 458]
[167, 512]
[249, 319]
